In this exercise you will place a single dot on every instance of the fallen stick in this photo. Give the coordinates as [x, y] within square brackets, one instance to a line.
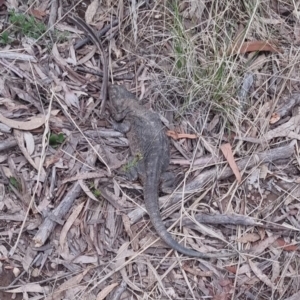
[65, 205]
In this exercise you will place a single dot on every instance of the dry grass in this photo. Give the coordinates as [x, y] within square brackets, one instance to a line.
[190, 61]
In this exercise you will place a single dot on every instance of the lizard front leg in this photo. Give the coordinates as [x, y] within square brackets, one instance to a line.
[123, 127]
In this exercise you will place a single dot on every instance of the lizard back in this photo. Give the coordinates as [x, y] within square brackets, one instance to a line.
[147, 139]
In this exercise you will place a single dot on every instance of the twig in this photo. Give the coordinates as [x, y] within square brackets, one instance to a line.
[95, 39]
[99, 34]
[217, 219]
[100, 74]
[65, 205]
[53, 14]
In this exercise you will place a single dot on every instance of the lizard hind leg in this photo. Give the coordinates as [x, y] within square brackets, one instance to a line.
[132, 169]
[167, 182]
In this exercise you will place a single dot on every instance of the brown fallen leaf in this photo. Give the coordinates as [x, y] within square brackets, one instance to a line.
[227, 152]
[39, 14]
[34, 123]
[249, 237]
[274, 118]
[232, 269]
[253, 46]
[263, 245]
[19, 136]
[284, 245]
[176, 136]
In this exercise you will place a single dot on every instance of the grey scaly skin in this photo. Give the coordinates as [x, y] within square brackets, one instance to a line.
[149, 145]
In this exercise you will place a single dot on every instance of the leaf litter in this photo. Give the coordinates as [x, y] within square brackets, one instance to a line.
[229, 97]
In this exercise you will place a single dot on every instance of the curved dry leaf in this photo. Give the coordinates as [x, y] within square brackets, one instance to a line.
[275, 270]
[274, 118]
[69, 223]
[227, 152]
[12, 4]
[248, 237]
[57, 56]
[87, 57]
[39, 14]
[34, 123]
[86, 190]
[284, 130]
[261, 246]
[7, 172]
[19, 136]
[117, 51]
[124, 253]
[253, 46]
[263, 171]
[260, 275]
[16, 271]
[106, 291]
[91, 11]
[85, 259]
[17, 56]
[69, 284]
[29, 141]
[71, 99]
[32, 288]
[2, 195]
[282, 244]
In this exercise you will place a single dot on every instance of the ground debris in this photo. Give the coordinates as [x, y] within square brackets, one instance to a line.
[73, 226]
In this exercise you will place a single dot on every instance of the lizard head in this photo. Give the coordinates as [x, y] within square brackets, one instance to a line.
[119, 97]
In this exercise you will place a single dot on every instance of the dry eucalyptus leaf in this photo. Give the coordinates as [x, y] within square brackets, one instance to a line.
[29, 141]
[19, 136]
[59, 293]
[274, 118]
[248, 237]
[91, 11]
[106, 291]
[227, 152]
[69, 223]
[115, 49]
[2, 192]
[16, 271]
[263, 277]
[254, 46]
[57, 56]
[34, 123]
[7, 172]
[12, 4]
[31, 288]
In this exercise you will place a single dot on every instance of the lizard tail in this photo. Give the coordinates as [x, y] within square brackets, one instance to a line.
[152, 206]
